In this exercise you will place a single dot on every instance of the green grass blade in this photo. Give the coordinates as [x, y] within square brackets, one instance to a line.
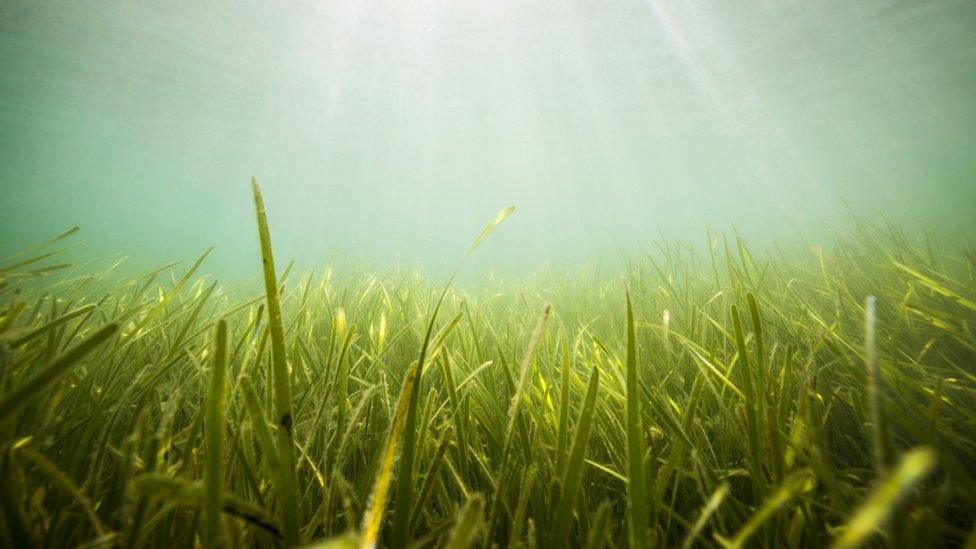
[469, 523]
[64, 482]
[373, 518]
[259, 422]
[286, 484]
[562, 434]
[878, 446]
[707, 511]
[31, 389]
[572, 477]
[873, 513]
[751, 402]
[599, 535]
[41, 330]
[213, 528]
[637, 502]
[193, 494]
[404, 489]
[518, 393]
[771, 505]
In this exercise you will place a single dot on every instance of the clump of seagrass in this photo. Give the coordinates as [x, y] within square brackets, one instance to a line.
[723, 398]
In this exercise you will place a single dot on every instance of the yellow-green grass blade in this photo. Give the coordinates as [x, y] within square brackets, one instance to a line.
[518, 394]
[770, 506]
[21, 339]
[39, 245]
[707, 511]
[404, 489]
[168, 296]
[286, 484]
[872, 514]
[373, 519]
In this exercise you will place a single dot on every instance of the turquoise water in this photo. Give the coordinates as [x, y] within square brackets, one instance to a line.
[389, 132]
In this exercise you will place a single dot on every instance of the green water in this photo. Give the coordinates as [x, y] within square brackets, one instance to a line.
[387, 132]
[811, 384]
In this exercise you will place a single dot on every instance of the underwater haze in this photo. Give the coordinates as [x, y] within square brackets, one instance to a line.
[721, 289]
[388, 132]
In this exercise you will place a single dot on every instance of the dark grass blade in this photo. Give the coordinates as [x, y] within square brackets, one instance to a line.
[28, 391]
[213, 528]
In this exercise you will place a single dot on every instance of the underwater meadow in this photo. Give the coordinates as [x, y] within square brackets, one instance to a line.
[703, 396]
[527, 274]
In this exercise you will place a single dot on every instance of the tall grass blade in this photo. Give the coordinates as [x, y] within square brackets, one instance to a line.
[287, 488]
[637, 502]
[404, 489]
[572, 476]
[874, 387]
[373, 518]
[213, 527]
